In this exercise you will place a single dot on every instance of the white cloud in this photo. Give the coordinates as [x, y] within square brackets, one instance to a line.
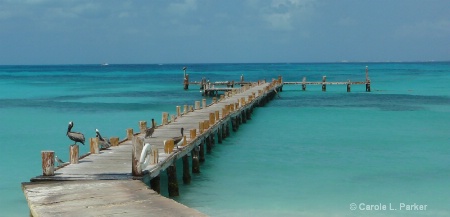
[183, 7]
[425, 29]
[285, 14]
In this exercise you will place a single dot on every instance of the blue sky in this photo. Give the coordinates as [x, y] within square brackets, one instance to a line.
[212, 31]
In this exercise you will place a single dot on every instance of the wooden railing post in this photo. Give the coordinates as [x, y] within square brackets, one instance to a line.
[130, 133]
[94, 145]
[142, 126]
[48, 163]
[74, 154]
[114, 141]
[138, 145]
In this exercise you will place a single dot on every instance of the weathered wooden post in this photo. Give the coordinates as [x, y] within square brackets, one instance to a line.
[74, 153]
[203, 103]
[212, 119]
[114, 141]
[348, 85]
[324, 86]
[178, 111]
[130, 133]
[94, 145]
[195, 160]
[172, 180]
[165, 118]
[214, 100]
[197, 105]
[142, 126]
[224, 112]
[186, 172]
[201, 127]
[222, 97]
[155, 184]
[137, 146]
[191, 108]
[193, 133]
[185, 109]
[205, 124]
[48, 163]
[304, 84]
[217, 115]
[168, 146]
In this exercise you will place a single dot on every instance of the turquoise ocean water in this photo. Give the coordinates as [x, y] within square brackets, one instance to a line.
[309, 153]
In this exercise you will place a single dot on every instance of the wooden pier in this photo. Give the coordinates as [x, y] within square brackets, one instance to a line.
[109, 182]
[214, 88]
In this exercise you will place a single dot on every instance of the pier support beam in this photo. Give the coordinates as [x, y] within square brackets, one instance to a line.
[208, 144]
[186, 173]
[219, 135]
[227, 129]
[155, 184]
[201, 156]
[172, 180]
[349, 86]
[195, 160]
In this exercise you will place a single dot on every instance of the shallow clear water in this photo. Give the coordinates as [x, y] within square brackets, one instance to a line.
[307, 153]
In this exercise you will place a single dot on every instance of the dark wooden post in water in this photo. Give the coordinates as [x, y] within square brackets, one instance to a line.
[349, 86]
[48, 163]
[186, 173]
[186, 79]
[208, 144]
[155, 184]
[367, 80]
[172, 179]
[304, 84]
[74, 154]
[324, 86]
[195, 160]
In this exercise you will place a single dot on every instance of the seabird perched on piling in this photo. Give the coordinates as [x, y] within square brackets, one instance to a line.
[104, 143]
[149, 131]
[58, 160]
[74, 136]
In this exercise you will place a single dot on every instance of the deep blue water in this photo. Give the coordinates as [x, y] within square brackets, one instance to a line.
[309, 153]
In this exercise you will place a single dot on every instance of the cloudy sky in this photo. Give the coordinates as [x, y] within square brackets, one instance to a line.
[213, 31]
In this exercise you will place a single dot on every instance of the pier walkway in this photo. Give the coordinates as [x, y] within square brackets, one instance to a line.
[110, 182]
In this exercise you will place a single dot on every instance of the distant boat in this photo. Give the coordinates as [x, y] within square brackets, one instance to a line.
[105, 64]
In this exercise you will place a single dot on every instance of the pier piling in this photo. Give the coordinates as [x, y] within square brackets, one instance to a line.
[48, 163]
[74, 154]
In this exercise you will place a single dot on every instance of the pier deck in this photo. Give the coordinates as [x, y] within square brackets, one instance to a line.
[104, 184]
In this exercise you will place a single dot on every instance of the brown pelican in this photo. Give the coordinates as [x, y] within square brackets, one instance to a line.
[149, 131]
[104, 143]
[177, 139]
[74, 136]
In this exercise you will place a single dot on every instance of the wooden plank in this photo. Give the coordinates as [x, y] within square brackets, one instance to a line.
[100, 198]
